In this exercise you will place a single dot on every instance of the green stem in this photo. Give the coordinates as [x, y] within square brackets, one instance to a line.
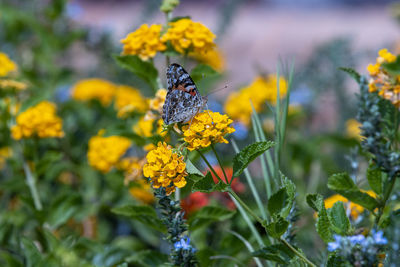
[392, 181]
[209, 165]
[250, 211]
[295, 251]
[30, 180]
[220, 164]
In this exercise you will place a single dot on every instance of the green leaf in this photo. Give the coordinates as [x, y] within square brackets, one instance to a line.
[142, 69]
[353, 74]
[144, 214]
[208, 215]
[392, 68]
[202, 71]
[277, 252]
[339, 221]
[374, 177]
[32, 254]
[147, 258]
[277, 228]
[335, 260]
[323, 226]
[62, 209]
[248, 154]
[291, 194]
[277, 201]
[344, 185]
[207, 185]
[191, 169]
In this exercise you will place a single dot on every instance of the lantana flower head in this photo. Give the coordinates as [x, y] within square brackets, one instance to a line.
[6, 65]
[207, 128]
[40, 120]
[95, 88]
[105, 152]
[165, 168]
[145, 42]
[262, 89]
[129, 99]
[145, 127]
[187, 36]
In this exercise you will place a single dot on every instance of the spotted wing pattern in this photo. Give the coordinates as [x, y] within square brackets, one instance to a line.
[183, 100]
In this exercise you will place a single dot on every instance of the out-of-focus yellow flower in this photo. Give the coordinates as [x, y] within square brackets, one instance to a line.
[353, 129]
[128, 99]
[156, 104]
[212, 58]
[40, 120]
[145, 42]
[142, 192]
[6, 65]
[132, 167]
[207, 128]
[95, 88]
[5, 153]
[386, 84]
[12, 84]
[354, 209]
[165, 168]
[188, 36]
[105, 152]
[262, 89]
[144, 127]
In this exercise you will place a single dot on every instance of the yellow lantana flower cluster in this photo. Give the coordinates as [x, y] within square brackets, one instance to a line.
[105, 152]
[145, 126]
[207, 128]
[262, 89]
[354, 209]
[382, 82]
[213, 58]
[40, 120]
[142, 192]
[187, 36]
[95, 88]
[132, 167]
[128, 99]
[6, 65]
[165, 168]
[12, 84]
[145, 42]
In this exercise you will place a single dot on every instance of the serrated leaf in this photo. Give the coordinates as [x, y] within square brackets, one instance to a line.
[291, 194]
[248, 154]
[191, 169]
[208, 215]
[144, 214]
[142, 69]
[338, 218]
[354, 74]
[392, 68]
[278, 227]
[323, 226]
[207, 185]
[202, 71]
[277, 252]
[344, 185]
[277, 201]
[374, 177]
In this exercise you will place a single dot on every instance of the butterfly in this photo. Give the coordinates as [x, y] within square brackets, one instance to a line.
[183, 100]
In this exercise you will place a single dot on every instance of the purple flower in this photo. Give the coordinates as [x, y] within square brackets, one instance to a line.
[334, 245]
[356, 239]
[379, 238]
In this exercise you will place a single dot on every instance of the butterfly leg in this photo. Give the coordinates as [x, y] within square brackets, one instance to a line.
[209, 114]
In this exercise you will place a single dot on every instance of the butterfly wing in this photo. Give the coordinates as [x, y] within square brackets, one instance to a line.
[183, 100]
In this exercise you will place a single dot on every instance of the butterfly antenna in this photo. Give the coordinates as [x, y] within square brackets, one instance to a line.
[217, 90]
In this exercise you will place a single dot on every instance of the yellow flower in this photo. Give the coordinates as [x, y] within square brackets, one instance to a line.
[373, 69]
[386, 56]
[5, 153]
[207, 128]
[6, 65]
[354, 209]
[105, 152]
[212, 58]
[144, 42]
[144, 127]
[353, 129]
[165, 168]
[40, 120]
[262, 89]
[157, 102]
[128, 99]
[188, 36]
[132, 167]
[142, 192]
[12, 84]
[95, 88]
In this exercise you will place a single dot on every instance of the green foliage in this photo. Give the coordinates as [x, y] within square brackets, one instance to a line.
[316, 201]
[207, 185]
[344, 185]
[208, 215]
[353, 74]
[339, 221]
[278, 227]
[374, 177]
[248, 154]
[277, 253]
[392, 68]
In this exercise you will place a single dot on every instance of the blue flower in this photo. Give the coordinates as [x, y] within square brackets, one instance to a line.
[378, 238]
[183, 244]
[356, 239]
[334, 245]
